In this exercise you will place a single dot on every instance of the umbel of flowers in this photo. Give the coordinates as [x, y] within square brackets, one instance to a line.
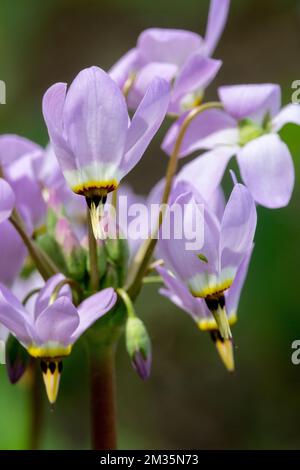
[62, 273]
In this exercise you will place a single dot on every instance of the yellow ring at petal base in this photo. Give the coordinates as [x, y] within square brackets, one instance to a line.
[213, 290]
[100, 188]
[208, 324]
[49, 351]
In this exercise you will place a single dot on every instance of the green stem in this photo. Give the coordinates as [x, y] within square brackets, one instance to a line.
[144, 254]
[43, 263]
[103, 398]
[93, 256]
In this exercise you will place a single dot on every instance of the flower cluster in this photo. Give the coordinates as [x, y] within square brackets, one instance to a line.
[63, 274]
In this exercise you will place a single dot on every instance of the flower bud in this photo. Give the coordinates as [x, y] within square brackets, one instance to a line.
[74, 254]
[139, 347]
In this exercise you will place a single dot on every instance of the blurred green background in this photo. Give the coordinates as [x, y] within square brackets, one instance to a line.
[190, 401]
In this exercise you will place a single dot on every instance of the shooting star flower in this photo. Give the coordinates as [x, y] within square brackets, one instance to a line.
[56, 324]
[93, 138]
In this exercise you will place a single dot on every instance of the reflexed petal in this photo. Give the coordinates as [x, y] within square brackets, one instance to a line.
[126, 65]
[267, 169]
[53, 107]
[13, 315]
[7, 200]
[217, 18]
[145, 123]
[145, 77]
[12, 147]
[43, 298]
[195, 75]
[95, 118]
[198, 227]
[234, 292]
[13, 253]
[93, 308]
[251, 101]
[57, 322]
[179, 294]
[210, 129]
[290, 113]
[237, 227]
[206, 171]
[168, 45]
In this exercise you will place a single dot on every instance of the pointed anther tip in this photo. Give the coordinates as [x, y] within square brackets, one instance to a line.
[226, 353]
[51, 371]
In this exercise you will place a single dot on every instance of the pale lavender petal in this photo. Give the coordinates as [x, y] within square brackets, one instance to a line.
[53, 106]
[267, 169]
[145, 123]
[217, 17]
[288, 114]
[14, 316]
[217, 202]
[212, 128]
[13, 253]
[93, 308]
[175, 248]
[206, 171]
[57, 322]
[95, 118]
[145, 77]
[179, 294]
[126, 65]
[12, 147]
[28, 195]
[22, 286]
[251, 101]
[234, 292]
[7, 200]
[198, 72]
[168, 45]
[237, 227]
[43, 298]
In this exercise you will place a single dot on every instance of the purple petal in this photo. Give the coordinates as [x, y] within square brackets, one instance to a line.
[197, 73]
[13, 315]
[57, 322]
[7, 200]
[13, 253]
[217, 17]
[121, 70]
[145, 77]
[95, 118]
[267, 169]
[179, 294]
[168, 45]
[29, 196]
[237, 227]
[43, 298]
[234, 292]
[288, 114]
[206, 172]
[53, 106]
[210, 129]
[94, 308]
[12, 147]
[145, 123]
[251, 101]
[174, 249]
